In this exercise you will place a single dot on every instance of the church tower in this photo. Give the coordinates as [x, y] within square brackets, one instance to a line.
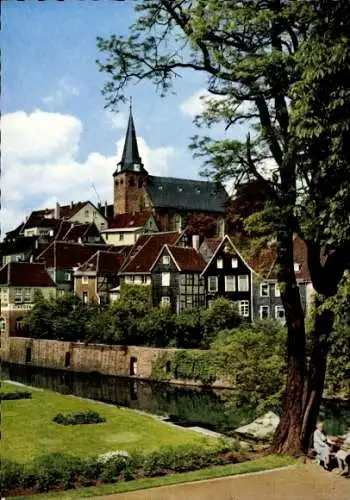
[129, 176]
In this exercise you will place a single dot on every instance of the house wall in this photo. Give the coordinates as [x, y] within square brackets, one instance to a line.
[90, 288]
[228, 270]
[129, 238]
[159, 291]
[90, 214]
[59, 276]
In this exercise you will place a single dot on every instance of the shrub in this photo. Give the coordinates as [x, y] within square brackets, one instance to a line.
[11, 475]
[15, 395]
[221, 315]
[78, 418]
[56, 469]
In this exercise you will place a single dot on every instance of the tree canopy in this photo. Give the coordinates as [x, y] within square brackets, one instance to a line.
[282, 67]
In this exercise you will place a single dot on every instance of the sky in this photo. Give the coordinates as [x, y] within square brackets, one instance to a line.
[59, 143]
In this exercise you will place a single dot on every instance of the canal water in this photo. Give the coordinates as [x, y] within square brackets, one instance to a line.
[187, 406]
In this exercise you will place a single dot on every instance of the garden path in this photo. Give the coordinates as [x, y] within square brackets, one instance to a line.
[300, 482]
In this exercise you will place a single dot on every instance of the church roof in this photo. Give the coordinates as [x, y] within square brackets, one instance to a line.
[130, 155]
[186, 194]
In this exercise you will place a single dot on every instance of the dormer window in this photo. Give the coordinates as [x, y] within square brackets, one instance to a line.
[137, 167]
[180, 189]
[166, 259]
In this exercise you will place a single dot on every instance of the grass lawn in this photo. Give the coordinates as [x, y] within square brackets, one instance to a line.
[28, 430]
[261, 464]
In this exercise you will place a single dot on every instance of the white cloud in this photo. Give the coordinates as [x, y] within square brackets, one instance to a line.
[117, 120]
[64, 91]
[194, 105]
[40, 164]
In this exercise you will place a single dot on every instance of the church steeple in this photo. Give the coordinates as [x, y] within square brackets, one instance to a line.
[131, 160]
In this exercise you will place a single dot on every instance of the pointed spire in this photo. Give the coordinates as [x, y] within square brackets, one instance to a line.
[131, 160]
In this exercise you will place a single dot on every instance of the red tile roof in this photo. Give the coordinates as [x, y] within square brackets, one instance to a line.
[25, 274]
[64, 255]
[212, 243]
[77, 231]
[145, 251]
[62, 229]
[187, 258]
[137, 219]
[103, 263]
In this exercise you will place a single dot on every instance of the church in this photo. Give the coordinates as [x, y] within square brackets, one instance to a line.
[171, 201]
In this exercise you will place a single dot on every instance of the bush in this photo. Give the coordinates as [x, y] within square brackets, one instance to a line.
[15, 395]
[222, 314]
[56, 469]
[78, 418]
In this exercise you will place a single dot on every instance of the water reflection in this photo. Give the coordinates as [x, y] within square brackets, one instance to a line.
[212, 409]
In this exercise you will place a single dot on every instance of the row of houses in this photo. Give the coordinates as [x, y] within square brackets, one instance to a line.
[184, 274]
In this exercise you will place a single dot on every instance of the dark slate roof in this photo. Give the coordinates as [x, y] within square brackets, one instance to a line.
[145, 251]
[19, 245]
[187, 258]
[64, 255]
[130, 154]
[102, 263]
[14, 233]
[25, 274]
[186, 194]
[138, 219]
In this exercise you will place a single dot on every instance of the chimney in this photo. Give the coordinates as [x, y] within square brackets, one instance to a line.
[57, 211]
[71, 204]
[195, 241]
[106, 209]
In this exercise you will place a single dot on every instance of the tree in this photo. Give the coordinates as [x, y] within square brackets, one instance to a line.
[221, 315]
[281, 67]
[202, 225]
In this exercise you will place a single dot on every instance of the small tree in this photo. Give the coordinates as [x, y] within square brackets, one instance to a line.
[221, 315]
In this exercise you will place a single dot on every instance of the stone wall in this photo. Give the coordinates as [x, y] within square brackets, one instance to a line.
[121, 361]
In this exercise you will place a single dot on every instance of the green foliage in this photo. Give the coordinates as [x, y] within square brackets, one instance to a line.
[221, 315]
[189, 328]
[194, 365]
[78, 418]
[52, 471]
[158, 327]
[15, 395]
[254, 358]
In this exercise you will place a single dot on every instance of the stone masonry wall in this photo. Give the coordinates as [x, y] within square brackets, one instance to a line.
[121, 361]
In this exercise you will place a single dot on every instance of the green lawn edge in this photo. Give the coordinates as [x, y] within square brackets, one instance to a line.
[269, 462]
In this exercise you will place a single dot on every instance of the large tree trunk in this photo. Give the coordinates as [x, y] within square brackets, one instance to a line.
[316, 373]
[288, 433]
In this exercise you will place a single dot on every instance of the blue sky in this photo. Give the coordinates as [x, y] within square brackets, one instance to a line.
[57, 137]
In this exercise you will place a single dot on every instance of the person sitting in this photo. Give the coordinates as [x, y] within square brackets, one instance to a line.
[343, 455]
[322, 446]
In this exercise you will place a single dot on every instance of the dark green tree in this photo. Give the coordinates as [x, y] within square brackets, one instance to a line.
[282, 67]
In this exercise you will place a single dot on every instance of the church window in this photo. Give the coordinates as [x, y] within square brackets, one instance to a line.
[121, 182]
[140, 183]
[131, 182]
[117, 183]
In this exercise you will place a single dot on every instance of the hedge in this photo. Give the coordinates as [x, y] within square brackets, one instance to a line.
[15, 395]
[62, 471]
[78, 418]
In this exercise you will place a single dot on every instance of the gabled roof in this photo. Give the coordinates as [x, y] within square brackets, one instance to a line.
[187, 258]
[102, 263]
[80, 231]
[138, 219]
[62, 229]
[36, 220]
[64, 255]
[25, 274]
[185, 194]
[14, 233]
[145, 251]
[224, 241]
[212, 243]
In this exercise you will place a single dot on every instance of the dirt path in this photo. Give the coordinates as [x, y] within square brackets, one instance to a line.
[302, 482]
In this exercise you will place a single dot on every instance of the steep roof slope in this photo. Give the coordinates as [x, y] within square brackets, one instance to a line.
[25, 274]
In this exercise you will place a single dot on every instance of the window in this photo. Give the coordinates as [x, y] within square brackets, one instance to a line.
[19, 324]
[131, 182]
[264, 312]
[133, 366]
[297, 267]
[86, 213]
[28, 354]
[85, 280]
[121, 236]
[67, 360]
[212, 283]
[219, 263]
[280, 314]
[277, 290]
[234, 262]
[27, 295]
[85, 298]
[165, 279]
[4, 297]
[67, 276]
[2, 324]
[18, 295]
[243, 283]
[102, 225]
[243, 308]
[264, 290]
[166, 259]
[230, 284]
[165, 302]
